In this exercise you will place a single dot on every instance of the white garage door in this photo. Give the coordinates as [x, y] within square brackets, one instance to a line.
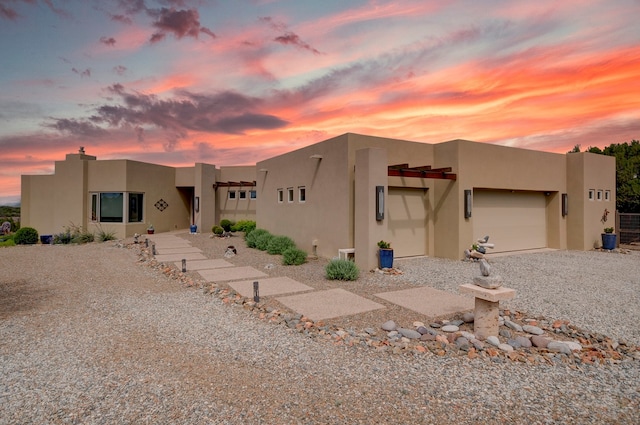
[407, 221]
[513, 220]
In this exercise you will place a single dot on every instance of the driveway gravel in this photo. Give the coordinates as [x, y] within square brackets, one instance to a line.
[89, 334]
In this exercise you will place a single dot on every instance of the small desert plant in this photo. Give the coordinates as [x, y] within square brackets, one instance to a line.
[62, 238]
[244, 226]
[26, 236]
[217, 230]
[262, 241]
[384, 245]
[293, 257]
[226, 224]
[608, 229]
[106, 235]
[253, 236]
[84, 237]
[278, 244]
[341, 270]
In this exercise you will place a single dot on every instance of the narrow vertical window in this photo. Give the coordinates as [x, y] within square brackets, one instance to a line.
[599, 195]
[242, 194]
[302, 194]
[232, 194]
[94, 207]
[290, 194]
[253, 194]
[280, 196]
[592, 194]
[135, 207]
[607, 195]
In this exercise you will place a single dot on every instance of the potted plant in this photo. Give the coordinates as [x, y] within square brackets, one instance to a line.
[385, 254]
[150, 229]
[608, 238]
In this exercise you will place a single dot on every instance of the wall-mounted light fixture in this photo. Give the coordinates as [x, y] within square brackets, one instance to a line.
[379, 203]
[565, 204]
[263, 170]
[196, 204]
[315, 156]
[467, 203]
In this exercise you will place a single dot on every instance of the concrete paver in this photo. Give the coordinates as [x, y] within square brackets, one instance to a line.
[429, 301]
[329, 304]
[167, 258]
[269, 286]
[172, 250]
[195, 265]
[231, 273]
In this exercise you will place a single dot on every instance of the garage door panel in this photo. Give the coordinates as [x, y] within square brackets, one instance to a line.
[513, 220]
[407, 221]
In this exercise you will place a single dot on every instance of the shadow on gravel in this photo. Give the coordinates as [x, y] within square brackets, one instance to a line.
[19, 297]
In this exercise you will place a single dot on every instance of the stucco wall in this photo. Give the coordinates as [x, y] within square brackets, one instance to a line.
[325, 215]
[588, 171]
[235, 209]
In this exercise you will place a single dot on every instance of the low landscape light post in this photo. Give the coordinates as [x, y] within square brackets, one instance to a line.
[184, 265]
[256, 292]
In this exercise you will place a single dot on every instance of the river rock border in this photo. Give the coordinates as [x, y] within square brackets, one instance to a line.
[522, 339]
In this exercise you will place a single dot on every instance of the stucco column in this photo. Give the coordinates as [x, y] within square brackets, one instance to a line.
[205, 177]
[371, 171]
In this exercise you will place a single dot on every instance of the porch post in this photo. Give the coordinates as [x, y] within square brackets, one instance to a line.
[371, 171]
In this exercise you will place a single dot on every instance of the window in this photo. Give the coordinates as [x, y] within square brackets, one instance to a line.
[592, 194]
[253, 194]
[232, 194]
[135, 207]
[599, 195]
[280, 196]
[111, 207]
[607, 195]
[290, 194]
[242, 194]
[94, 207]
[302, 194]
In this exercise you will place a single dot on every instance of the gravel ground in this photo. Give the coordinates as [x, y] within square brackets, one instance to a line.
[89, 335]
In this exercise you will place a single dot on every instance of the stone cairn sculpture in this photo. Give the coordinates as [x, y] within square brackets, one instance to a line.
[478, 250]
[486, 280]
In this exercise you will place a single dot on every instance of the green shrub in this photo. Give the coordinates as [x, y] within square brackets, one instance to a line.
[342, 270]
[245, 226]
[262, 241]
[26, 236]
[253, 236]
[293, 257]
[7, 240]
[217, 230]
[226, 224]
[278, 244]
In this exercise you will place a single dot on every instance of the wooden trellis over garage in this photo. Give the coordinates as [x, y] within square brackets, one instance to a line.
[234, 184]
[425, 172]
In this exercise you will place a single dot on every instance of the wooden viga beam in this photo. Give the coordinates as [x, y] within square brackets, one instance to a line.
[424, 172]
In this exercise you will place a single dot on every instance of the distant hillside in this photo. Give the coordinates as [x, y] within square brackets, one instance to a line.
[9, 211]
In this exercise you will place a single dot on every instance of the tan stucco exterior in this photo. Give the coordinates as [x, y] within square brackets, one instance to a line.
[340, 176]
[54, 202]
[323, 196]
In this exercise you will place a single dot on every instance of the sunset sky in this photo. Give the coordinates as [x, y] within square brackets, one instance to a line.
[233, 82]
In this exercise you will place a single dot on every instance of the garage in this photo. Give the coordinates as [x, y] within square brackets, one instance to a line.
[407, 221]
[514, 220]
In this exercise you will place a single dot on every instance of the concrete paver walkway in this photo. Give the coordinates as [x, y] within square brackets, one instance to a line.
[316, 305]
